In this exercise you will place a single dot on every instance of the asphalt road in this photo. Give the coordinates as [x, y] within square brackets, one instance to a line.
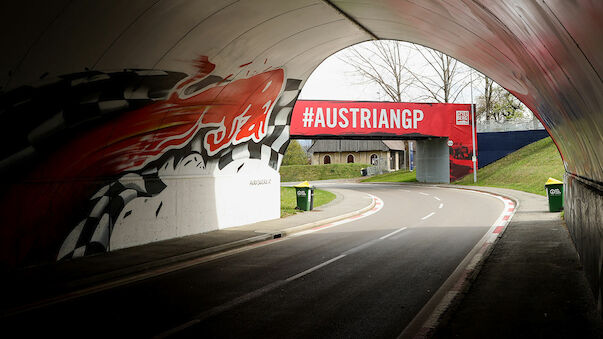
[365, 278]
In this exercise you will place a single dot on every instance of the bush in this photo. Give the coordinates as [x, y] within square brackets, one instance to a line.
[295, 155]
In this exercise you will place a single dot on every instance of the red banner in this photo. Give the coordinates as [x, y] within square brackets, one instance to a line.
[393, 120]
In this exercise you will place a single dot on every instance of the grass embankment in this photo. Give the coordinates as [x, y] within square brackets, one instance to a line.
[526, 169]
[397, 176]
[289, 200]
[320, 172]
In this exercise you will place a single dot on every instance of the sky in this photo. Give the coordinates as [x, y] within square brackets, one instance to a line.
[334, 79]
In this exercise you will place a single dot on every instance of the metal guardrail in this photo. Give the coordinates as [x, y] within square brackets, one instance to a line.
[507, 126]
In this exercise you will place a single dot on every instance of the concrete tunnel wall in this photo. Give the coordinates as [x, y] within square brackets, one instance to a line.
[128, 122]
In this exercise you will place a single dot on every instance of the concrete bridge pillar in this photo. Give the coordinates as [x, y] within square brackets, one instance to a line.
[433, 165]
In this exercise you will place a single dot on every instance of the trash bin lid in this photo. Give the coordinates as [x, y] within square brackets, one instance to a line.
[303, 184]
[553, 181]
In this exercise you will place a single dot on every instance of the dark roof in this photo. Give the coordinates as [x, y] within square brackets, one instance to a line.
[322, 145]
[394, 145]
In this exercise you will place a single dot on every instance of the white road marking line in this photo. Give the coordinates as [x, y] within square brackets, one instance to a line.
[221, 308]
[424, 193]
[310, 270]
[436, 198]
[378, 206]
[392, 233]
[261, 291]
[428, 317]
[427, 216]
[441, 205]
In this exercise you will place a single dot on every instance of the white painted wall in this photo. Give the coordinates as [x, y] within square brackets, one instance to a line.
[249, 196]
[194, 203]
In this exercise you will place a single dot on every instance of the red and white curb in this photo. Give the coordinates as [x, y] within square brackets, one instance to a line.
[378, 205]
[485, 244]
[494, 232]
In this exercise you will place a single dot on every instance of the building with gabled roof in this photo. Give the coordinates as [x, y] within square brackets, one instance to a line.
[391, 154]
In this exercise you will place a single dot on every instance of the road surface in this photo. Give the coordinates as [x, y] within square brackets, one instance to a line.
[365, 278]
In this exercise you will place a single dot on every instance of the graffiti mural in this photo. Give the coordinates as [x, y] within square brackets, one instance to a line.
[86, 146]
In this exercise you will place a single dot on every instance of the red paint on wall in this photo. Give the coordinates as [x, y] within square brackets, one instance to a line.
[44, 207]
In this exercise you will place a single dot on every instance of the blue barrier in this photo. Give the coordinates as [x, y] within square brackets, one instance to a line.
[492, 146]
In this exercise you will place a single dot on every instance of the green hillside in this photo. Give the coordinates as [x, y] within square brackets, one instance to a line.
[320, 172]
[526, 169]
[397, 176]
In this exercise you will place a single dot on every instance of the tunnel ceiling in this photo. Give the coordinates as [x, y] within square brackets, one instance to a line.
[548, 53]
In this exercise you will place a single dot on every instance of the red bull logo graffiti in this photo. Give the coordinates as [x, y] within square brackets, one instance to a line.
[87, 180]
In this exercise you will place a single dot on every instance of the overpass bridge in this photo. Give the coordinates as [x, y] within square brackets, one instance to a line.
[131, 122]
[444, 132]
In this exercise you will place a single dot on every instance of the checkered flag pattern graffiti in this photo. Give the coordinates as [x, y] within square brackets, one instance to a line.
[272, 148]
[67, 104]
[92, 235]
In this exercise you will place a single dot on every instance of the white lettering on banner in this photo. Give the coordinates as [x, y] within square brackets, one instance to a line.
[308, 117]
[354, 111]
[374, 118]
[383, 123]
[320, 118]
[331, 119]
[417, 115]
[394, 116]
[365, 115]
[406, 121]
[343, 119]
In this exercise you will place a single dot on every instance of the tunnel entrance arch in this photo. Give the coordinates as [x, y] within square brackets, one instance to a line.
[76, 80]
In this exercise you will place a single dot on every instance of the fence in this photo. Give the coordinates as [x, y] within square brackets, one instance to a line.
[507, 126]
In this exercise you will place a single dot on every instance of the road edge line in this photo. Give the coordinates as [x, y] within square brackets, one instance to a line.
[451, 291]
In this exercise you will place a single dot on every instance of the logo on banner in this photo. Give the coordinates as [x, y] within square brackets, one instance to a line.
[462, 117]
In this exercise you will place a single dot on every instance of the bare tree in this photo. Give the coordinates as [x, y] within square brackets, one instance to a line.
[381, 62]
[484, 106]
[392, 66]
[499, 104]
[442, 78]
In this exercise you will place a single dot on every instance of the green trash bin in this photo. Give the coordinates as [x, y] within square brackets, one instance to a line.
[305, 196]
[554, 192]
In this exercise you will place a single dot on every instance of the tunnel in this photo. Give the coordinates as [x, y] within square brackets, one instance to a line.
[131, 122]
